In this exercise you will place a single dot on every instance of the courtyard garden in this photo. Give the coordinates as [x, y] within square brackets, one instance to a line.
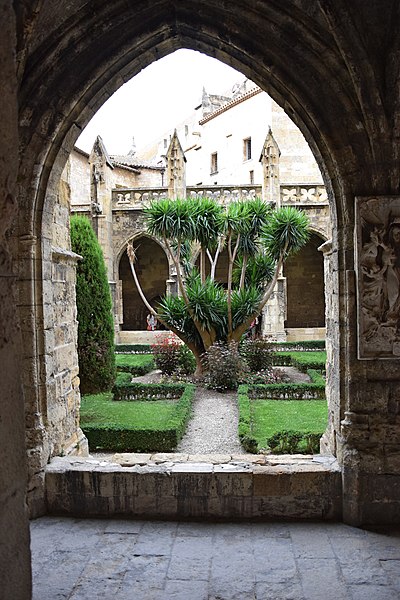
[151, 402]
[211, 345]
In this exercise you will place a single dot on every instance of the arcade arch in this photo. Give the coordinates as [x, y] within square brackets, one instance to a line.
[310, 65]
[153, 273]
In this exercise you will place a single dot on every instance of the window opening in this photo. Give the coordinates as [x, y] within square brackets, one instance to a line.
[247, 149]
[214, 162]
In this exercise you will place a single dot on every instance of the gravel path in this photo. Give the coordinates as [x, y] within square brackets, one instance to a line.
[213, 426]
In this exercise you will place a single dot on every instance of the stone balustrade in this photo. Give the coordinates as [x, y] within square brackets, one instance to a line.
[303, 194]
[310, 194]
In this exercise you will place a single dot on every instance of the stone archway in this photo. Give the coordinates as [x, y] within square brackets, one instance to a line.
[319, 64]
[152, 269]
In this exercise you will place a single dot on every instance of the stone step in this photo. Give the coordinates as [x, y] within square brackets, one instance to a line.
[178, 486]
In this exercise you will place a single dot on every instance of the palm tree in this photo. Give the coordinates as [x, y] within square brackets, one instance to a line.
[258, 240]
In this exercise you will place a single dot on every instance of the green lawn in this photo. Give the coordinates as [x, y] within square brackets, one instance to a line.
[100, 409]
[271, 416]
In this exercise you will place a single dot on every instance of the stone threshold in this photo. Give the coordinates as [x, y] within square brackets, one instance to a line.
[183, 486]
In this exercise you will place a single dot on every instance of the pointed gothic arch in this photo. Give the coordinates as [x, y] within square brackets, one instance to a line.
[316, 63]
[153, 272]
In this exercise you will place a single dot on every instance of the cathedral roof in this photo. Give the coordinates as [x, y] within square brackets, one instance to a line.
[134, 162]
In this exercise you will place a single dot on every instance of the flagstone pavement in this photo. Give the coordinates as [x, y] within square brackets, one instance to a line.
[91, 559]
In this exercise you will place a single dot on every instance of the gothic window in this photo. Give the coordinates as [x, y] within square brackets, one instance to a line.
[247, 149]
[214, 162]
[251, 177]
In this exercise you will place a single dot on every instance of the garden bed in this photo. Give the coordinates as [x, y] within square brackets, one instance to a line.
[135, 364]
[277, 425]
[153, 423]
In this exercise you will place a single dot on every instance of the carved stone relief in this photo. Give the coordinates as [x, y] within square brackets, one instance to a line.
[378, 276]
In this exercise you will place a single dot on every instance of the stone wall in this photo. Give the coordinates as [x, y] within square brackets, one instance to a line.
[207, 487]
[304, 274]
[15, 572]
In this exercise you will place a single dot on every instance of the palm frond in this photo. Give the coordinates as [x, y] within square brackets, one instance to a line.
[244, 304]
[287, 228]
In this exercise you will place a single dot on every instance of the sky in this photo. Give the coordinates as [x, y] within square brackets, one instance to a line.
[144, 108]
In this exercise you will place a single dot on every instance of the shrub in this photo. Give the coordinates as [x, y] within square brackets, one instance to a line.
[266, 377]
[171, 356]
[284, 442]
[225, 367]
[257, 353]
[316, 376]
[166, 355]
[291, 391]
[93, 301]
[309, 345]
[187, 361]
[301, 360]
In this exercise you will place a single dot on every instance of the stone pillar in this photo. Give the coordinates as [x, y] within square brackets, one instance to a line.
[15, 566]
[269, 160]
[368, 443]
[274, 313]
[328, 440]
[176, 169]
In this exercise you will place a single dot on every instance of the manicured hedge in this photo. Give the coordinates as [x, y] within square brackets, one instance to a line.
[123, 378]
[117, 438]
[316, 377]
[136, 364]
[147, 391]
[301, 360]
[132, 348]
[294, 442]
[288, 391]
[300, 346]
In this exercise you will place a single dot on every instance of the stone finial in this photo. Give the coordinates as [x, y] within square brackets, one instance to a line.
[132, 151]
[176, 169]
[270, 163]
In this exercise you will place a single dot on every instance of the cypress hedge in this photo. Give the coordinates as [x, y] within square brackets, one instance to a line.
[93, 300]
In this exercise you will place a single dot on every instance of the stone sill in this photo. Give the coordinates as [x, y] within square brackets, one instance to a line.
[175, 486]
[171, 461]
